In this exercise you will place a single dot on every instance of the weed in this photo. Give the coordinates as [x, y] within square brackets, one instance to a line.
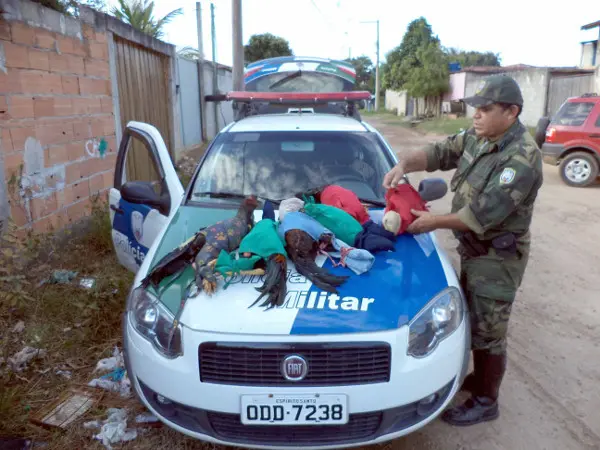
[76, 326]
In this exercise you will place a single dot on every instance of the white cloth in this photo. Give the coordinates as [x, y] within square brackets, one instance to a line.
[290, 205]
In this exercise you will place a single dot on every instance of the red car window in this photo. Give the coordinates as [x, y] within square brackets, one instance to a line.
[573, 113]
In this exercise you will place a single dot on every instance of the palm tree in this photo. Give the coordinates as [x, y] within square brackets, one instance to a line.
[138, 13]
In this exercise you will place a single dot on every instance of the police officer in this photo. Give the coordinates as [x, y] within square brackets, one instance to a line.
[498, 175]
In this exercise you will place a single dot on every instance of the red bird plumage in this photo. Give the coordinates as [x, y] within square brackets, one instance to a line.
[399, 201]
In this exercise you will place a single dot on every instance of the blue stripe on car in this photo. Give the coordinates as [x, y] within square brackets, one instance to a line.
[123, 224]
[386, 297]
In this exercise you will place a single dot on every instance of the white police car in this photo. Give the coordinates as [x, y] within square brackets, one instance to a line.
[376, 362]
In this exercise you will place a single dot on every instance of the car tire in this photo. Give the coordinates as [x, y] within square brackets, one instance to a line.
[540, 131]
[579, 169]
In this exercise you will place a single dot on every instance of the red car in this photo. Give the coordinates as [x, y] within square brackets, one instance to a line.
[571, 139]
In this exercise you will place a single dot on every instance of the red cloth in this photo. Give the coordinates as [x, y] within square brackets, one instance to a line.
[402, 199]
[346, 200]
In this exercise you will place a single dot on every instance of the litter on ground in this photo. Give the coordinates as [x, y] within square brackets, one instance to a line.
[116, 380]
[114, 429]
[62, 412]
[19, 360]
[19, 327]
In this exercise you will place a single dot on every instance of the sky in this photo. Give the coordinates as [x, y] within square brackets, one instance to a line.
[523, 31]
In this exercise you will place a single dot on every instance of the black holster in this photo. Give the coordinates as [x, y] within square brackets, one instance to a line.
[471, 247]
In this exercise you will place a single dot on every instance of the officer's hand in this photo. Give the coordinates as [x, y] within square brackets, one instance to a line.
[424, 223]
[393, 177]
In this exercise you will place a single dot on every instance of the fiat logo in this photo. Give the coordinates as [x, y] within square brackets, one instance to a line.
[294, 368]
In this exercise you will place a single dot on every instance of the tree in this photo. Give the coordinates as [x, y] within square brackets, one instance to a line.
[472, 58]
[266, 45]
[428, 78]
[138, 13]
[365, 73]
[402, 59]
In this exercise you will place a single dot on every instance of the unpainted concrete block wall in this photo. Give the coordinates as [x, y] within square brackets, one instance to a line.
[534, 87]
[396, 100]
[57, 128]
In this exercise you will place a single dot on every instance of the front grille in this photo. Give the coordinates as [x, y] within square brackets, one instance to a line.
[328, 364]
[359, 427]
[227, 426]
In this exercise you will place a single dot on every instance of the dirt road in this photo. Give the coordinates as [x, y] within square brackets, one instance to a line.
[550, 398]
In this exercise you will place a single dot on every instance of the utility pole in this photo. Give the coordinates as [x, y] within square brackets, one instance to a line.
[377, 72]
[201, 71]
[376, 65]
[238, 46]
[215, 82]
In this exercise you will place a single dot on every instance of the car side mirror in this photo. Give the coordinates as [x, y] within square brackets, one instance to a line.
[141, 192]
[432, 189]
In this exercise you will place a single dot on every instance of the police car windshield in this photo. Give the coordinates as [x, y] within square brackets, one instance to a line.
[280, 164]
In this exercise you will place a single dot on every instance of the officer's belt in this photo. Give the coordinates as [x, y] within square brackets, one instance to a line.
[504, 245]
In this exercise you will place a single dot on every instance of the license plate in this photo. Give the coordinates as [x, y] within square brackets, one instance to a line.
[330, 409]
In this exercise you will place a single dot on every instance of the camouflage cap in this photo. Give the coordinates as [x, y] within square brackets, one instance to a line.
[496, 89]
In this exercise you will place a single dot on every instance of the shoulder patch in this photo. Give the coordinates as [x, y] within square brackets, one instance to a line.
[507, 175]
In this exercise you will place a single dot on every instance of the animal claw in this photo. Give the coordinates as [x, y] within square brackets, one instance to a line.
[209, 286]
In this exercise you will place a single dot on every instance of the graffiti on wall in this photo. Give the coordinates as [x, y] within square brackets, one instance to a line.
[95, 148]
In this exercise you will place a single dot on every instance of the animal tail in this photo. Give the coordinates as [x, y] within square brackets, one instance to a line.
[320, 277]
[175, 261]
[274, 286]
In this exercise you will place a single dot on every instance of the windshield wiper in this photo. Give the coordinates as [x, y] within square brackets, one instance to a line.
[231, 195]
[219, 194]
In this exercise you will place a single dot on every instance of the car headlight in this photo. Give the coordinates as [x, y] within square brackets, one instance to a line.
[438, 320]
[154, 322]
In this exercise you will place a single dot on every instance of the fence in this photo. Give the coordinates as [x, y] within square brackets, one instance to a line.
[217, 114]
[563, 87]
[189, 104]
[68, 87]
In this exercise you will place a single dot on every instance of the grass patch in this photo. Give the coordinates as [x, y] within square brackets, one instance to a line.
[444, 125]
[440, 125]
[75, 326]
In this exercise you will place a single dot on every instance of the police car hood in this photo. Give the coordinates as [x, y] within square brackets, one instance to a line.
[388, 295]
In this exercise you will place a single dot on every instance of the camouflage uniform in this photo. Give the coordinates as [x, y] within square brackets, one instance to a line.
[495, 186]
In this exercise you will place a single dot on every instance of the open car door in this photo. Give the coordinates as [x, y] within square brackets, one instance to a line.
[146, 191]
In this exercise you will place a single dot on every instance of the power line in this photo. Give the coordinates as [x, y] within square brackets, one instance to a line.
[331, 24]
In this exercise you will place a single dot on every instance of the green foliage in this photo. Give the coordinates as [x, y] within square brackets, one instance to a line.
[401, 60]
[365, 73]
[420, 63]
[266, 45]
[139, 14]
[472, 58]
[428, 73]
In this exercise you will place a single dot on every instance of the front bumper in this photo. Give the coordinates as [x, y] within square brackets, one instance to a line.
[171, 389]
[551, 153]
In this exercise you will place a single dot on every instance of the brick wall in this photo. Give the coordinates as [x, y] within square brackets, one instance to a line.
[56, 114]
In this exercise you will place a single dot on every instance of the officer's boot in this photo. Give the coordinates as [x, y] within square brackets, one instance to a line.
[471, 383]
[483, 406]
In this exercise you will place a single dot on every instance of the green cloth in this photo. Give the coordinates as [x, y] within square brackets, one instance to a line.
[339, 222]
[262, 241]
